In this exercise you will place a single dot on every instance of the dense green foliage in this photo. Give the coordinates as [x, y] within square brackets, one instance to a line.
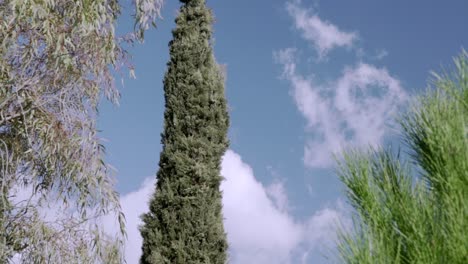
[185, 223]
[56, 62]
[400, 218]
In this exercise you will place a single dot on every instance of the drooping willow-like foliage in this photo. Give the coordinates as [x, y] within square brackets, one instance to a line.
[57, 59]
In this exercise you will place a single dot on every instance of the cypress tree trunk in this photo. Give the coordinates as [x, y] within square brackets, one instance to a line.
[185, 222]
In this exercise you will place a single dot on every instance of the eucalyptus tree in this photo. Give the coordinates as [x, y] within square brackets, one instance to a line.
[185, 223]
[57, 59]
[415, 210]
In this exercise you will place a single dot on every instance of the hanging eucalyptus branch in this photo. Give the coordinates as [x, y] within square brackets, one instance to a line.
[56, 62]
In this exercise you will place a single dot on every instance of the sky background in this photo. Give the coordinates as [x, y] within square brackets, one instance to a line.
[305, 79]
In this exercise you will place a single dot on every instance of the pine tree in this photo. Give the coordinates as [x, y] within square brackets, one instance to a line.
[185, 223]
[400, 218]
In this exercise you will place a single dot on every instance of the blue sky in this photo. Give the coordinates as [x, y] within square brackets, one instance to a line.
[304, 79]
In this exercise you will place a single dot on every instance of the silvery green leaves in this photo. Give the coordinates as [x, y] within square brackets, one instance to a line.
[147, 12]
[56, 61]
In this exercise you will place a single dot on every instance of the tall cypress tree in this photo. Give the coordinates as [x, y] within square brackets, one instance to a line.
[185, 222]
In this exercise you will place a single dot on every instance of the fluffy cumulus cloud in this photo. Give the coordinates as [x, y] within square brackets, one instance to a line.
[258, 231]
[353, 110]
[134, 204]
[259, 228]
[323, 35]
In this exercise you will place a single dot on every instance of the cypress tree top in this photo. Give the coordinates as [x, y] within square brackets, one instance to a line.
[185, 224]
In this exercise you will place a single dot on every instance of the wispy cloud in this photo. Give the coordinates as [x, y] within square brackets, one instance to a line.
[277, 193]
[382, 53]
[258, 227]
[352, 110]
[323, 35]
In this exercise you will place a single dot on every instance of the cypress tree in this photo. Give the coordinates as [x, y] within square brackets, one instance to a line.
[185, 222]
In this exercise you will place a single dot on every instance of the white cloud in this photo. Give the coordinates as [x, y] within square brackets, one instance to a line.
[382, 53]
[351, 111]
[322, 225]
[323, 35]
[259, 230]
[320, 231]
[277, 193]
[134, 204]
